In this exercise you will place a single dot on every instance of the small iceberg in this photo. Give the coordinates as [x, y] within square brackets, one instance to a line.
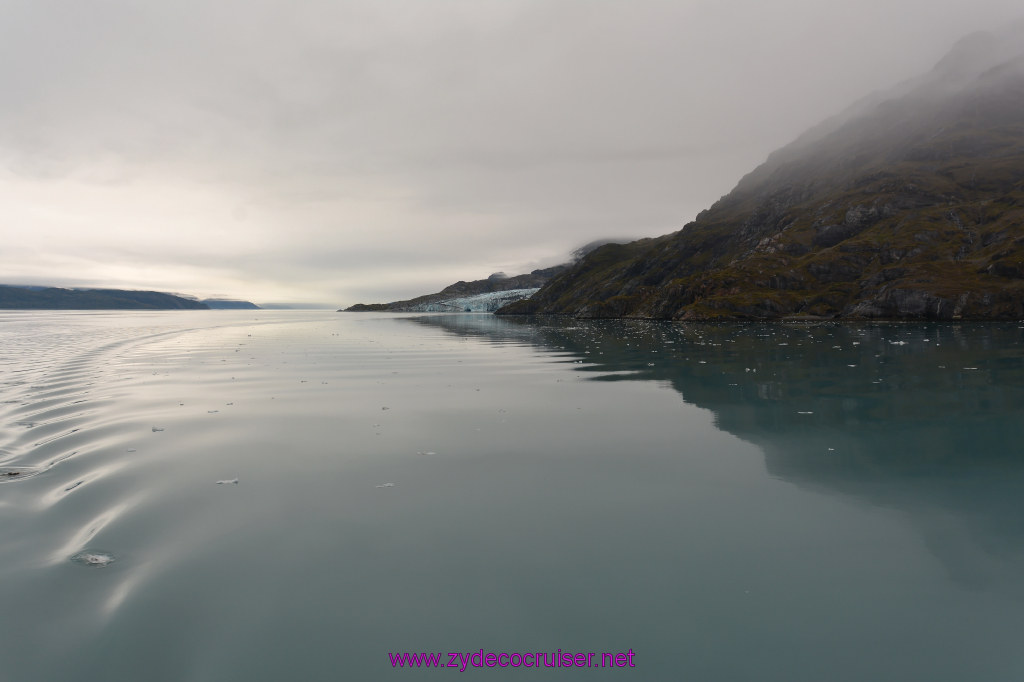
[227, 481]
[386, 485]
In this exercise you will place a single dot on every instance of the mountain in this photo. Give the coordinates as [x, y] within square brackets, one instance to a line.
[228, 304]
[40, 298]
[909, 205]
[482, 295]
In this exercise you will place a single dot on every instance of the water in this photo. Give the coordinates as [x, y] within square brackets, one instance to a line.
[741, 502]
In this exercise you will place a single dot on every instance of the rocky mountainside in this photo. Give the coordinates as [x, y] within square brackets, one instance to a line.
[453, 296]
[909, 205]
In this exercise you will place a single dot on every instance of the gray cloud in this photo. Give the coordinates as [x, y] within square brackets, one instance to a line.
[378, 149]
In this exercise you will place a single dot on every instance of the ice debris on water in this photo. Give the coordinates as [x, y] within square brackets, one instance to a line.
[426, 452]
[17, 473]
[157, 428]
[386, 485]
[228, 480]
[93, 557]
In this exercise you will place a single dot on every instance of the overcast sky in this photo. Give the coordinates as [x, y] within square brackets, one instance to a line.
[369, 150]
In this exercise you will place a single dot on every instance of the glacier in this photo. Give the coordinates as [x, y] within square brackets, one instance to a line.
[478, 303]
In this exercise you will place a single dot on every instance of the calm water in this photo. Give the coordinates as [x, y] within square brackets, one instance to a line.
[744, 502]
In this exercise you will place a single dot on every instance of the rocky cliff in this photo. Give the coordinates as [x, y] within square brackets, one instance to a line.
[908, 205]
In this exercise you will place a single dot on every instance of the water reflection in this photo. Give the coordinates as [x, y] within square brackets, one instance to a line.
[924, 419]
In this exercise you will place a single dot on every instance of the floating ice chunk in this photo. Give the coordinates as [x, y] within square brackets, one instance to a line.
[426, 452]
[228, 480]
[804, 412]
[157, 428]
[386, 485]
[93, 557]
[897, 343]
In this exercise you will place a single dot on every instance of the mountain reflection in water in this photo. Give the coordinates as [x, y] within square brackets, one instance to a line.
[921, 418]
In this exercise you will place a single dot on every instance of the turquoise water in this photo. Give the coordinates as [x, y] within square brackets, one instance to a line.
[741, 502]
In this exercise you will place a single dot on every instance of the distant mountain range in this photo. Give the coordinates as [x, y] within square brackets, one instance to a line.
[228, 304]
[53, 298]
[909, 205]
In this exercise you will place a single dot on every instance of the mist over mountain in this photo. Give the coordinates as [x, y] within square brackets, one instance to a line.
[909, 204]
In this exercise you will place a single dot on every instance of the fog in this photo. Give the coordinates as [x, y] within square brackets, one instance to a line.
[363, 151]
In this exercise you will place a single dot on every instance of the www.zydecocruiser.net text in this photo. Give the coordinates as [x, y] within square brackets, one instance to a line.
[530, 659]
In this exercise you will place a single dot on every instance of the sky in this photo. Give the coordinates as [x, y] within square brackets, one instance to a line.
[344, 151]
